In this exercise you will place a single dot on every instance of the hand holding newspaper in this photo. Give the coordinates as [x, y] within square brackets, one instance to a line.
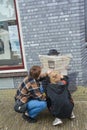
[58, 63]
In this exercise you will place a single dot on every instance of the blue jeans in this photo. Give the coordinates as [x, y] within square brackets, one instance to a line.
[35, 107]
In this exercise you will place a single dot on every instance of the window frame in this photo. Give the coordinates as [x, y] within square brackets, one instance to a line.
[19, 68]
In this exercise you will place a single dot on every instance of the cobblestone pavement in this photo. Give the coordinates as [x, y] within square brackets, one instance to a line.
[10, 120]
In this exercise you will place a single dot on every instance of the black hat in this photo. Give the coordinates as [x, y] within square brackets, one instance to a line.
[53, 52]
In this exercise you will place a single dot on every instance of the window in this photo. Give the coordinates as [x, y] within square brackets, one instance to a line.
[11, 57]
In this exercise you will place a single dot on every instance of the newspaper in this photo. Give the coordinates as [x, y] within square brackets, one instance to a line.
[59, 63]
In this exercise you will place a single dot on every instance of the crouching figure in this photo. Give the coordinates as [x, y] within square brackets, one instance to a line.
[59, 100]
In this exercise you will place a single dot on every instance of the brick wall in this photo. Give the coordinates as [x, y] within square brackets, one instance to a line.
[59, 24]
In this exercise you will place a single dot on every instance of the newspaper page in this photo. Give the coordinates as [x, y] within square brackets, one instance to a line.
[59, 63]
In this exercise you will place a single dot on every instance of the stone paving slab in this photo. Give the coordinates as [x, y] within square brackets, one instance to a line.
[10, 120]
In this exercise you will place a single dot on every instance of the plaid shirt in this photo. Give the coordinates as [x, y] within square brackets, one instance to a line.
[29, 89]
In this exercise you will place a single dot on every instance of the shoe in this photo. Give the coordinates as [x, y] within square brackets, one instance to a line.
[72, 116]
[28, 118]
[57, 121]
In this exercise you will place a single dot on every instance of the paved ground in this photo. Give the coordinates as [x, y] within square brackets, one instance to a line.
[10, 120]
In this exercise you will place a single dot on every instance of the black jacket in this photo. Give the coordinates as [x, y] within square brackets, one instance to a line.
[59, 99]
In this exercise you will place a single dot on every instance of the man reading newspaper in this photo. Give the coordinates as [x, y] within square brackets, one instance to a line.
[55, 61]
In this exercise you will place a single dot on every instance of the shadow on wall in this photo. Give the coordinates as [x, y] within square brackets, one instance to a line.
[72, 81]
